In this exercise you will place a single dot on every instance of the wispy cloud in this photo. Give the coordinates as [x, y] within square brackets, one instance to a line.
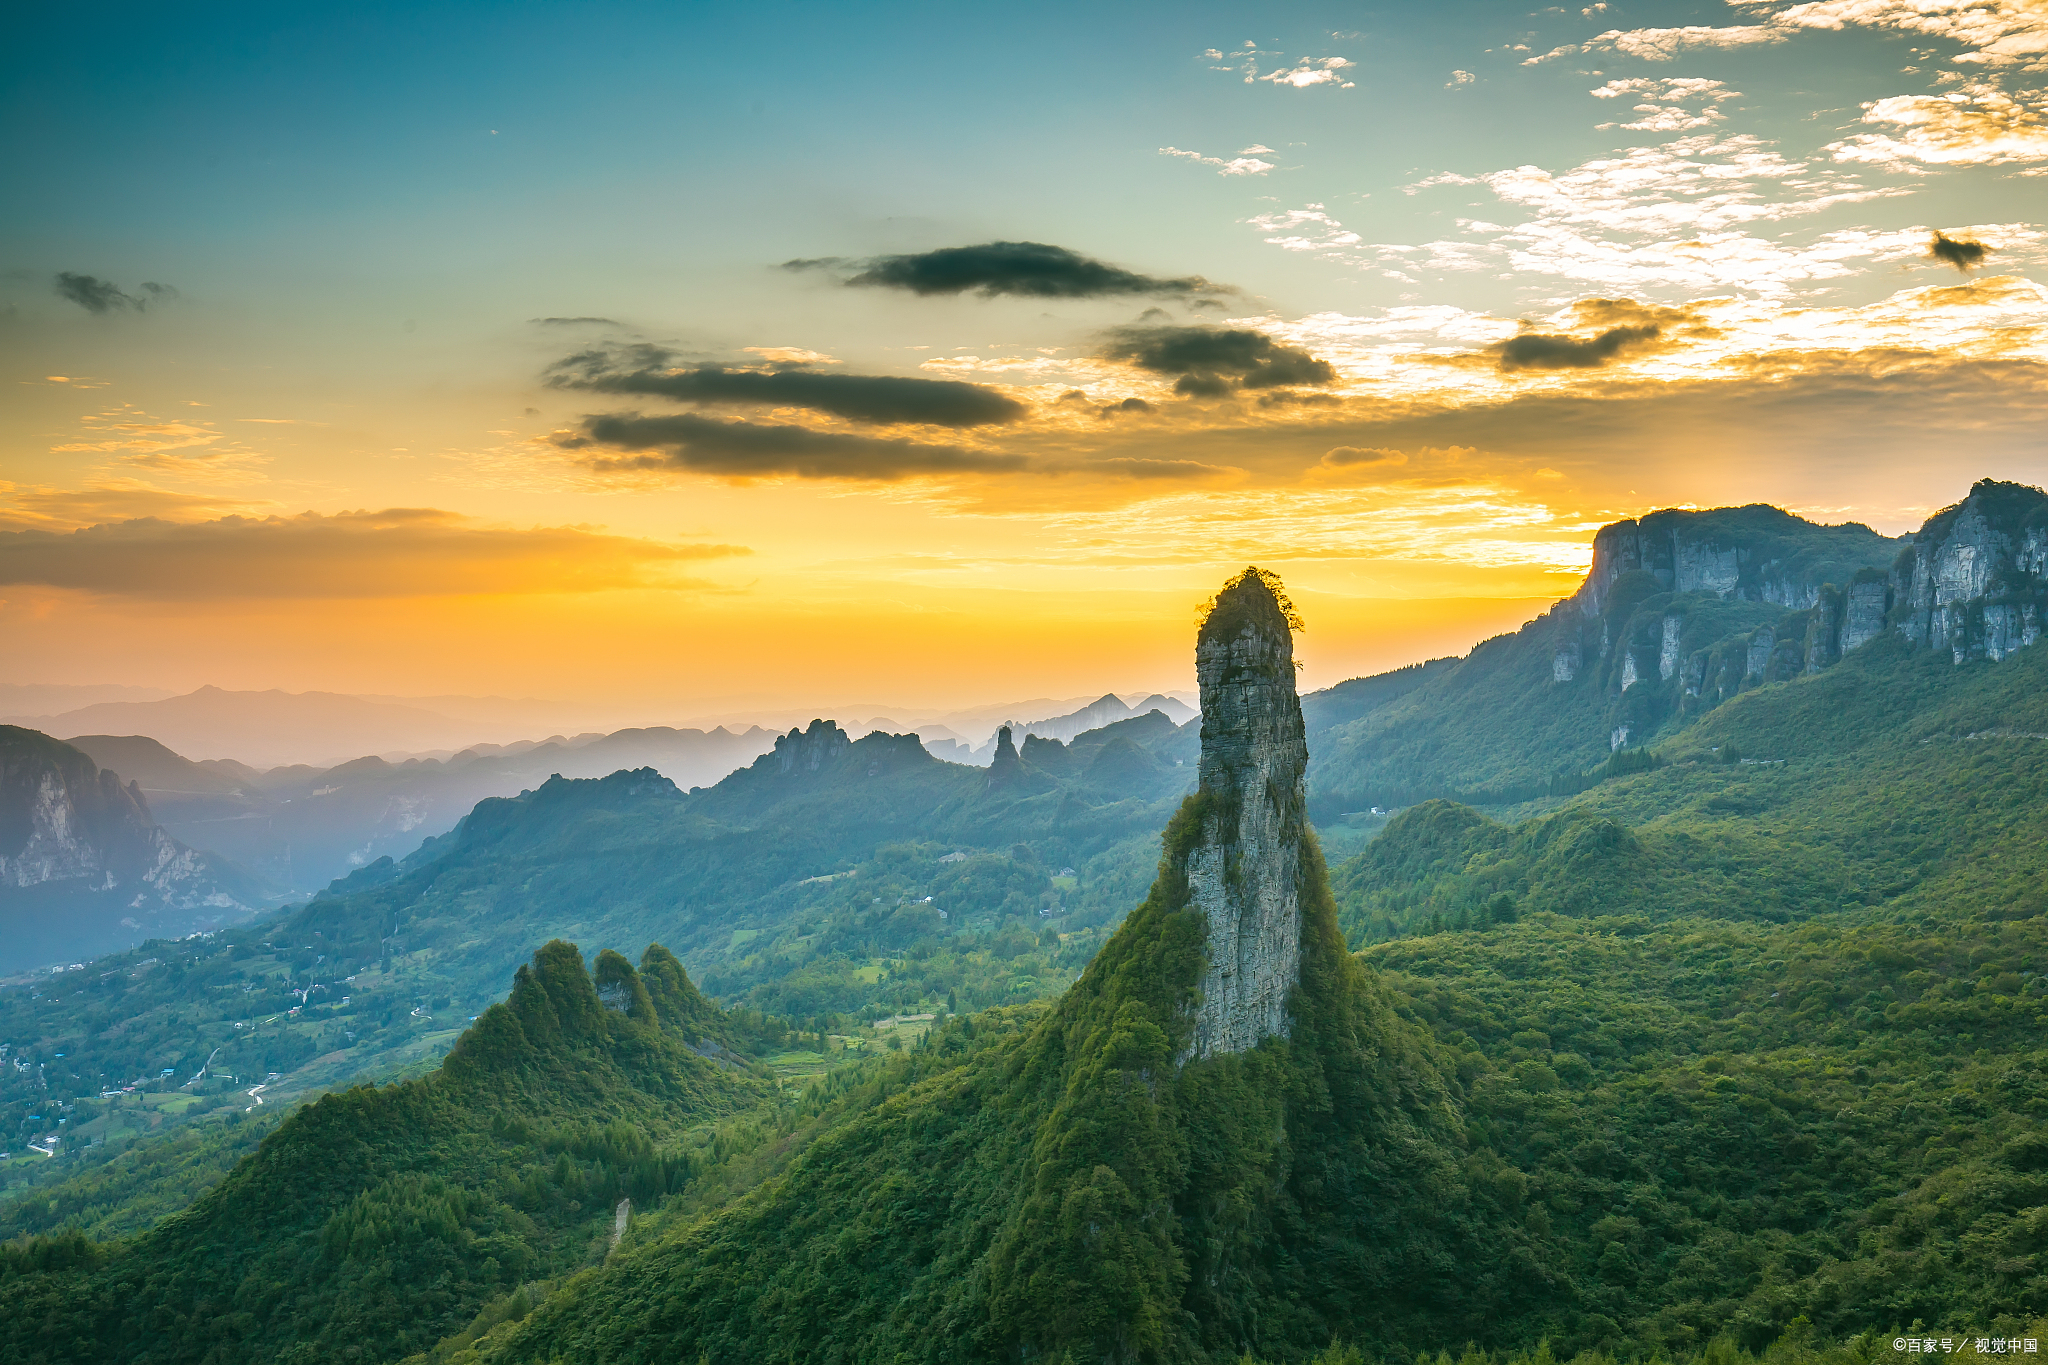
[1307, 73]
[1671, 215]
[1997, 32]
[1244, 163]
[39, 507]
[168, 445]
[1668, 105]
[127, 430]
[1979, 124]
[1310, 72]
[1311, 228]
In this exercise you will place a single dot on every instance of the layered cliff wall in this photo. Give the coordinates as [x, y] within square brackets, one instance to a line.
[1680, 612]
[1244, 866]
[1757, 553]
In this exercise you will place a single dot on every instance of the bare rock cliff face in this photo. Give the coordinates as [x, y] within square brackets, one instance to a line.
[1244, 870]
[1975, 579]
[62, 818]
[81, 859]
[1752, 554]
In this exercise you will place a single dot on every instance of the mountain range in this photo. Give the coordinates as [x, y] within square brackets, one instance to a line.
[1682, 996]
[291, 830]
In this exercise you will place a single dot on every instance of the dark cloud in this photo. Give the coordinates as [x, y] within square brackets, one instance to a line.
[1128, 405]
[1542, 351]
[873, 398]
[96, 295]
[1212, 361]
[1031, 270]
[685, 442]
[1341, 457]
[576, 322]
[1964, 255]
[1288, 398]
[398, 552]
[1360, 465]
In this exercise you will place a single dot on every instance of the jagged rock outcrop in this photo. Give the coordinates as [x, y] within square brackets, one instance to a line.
[79, 851]
[1975, 579]
[1244, 868]
[806, 751]
[1006, 768]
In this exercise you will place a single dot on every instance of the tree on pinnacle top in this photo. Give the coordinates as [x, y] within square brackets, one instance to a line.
[1256, 598]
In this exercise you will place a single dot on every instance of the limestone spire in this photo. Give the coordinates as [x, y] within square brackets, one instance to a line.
[1244, 870]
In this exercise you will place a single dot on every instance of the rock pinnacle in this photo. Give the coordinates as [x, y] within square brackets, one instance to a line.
[1244, 869]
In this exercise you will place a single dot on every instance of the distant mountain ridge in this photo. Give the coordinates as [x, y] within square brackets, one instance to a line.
[272, 728]
[301, 826]
[1107, 709]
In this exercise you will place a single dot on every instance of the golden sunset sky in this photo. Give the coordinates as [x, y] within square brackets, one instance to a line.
[694, 358]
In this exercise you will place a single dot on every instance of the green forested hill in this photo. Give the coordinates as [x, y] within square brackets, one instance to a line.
[1895, 780]
[380, 1219]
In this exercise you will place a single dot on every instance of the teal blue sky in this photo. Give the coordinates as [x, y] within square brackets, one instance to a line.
[382, 148]
[1523, 269]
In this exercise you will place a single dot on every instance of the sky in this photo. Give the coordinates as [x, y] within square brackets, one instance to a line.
[690, 358]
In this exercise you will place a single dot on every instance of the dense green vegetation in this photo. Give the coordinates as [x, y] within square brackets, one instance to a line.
[1067, 1188]
[1894, 780]
[380, 1219]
